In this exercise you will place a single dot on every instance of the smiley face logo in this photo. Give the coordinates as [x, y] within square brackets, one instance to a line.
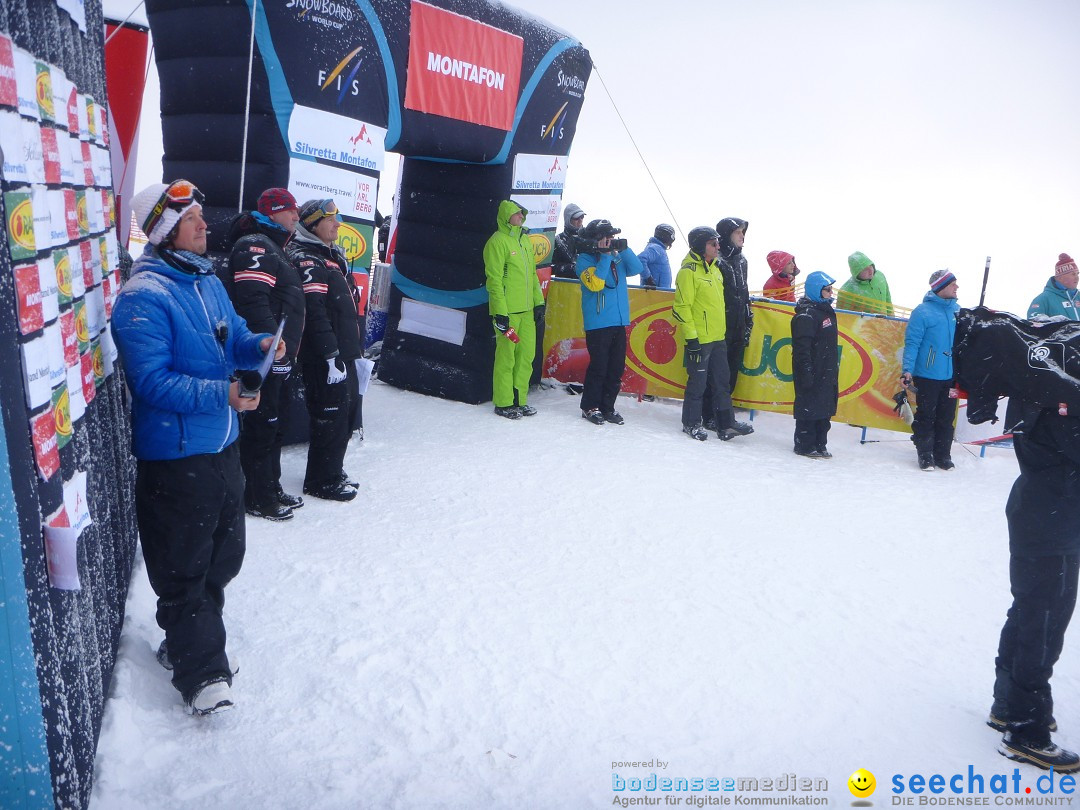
[861, 783]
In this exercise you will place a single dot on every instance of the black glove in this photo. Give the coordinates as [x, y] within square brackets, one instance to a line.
[693, 351]
[538, 312]
[650, 283]
[502, 322]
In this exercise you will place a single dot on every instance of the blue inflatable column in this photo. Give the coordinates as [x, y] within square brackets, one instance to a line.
[25, 780]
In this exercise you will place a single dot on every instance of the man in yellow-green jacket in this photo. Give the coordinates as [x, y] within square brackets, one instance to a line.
[699, 311]
[516, 304]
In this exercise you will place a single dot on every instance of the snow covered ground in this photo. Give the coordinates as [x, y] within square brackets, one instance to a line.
[509, 608]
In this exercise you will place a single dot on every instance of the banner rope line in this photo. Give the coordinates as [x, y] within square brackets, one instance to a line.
[247, 108]
[614, 106]
[121, 25]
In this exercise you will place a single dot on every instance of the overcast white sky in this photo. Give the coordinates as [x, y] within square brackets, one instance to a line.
[925, 134]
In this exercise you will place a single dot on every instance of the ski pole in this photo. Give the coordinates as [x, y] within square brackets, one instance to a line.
[986, 275]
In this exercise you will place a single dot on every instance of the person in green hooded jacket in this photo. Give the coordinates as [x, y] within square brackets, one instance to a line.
[866, 290]
[516, 304]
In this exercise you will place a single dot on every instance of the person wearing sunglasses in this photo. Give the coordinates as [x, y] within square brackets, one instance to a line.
[181, 343]
[699, 311]
[265, 289]
[332, 343]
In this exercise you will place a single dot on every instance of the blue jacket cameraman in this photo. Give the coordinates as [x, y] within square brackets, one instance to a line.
[603, 265]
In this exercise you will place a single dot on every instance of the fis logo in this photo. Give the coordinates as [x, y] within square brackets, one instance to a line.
[553, 130]
[344, 85]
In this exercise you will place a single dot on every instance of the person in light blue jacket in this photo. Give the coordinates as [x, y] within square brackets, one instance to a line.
[603, 264]
[181, 343]
[928, 365]
[655, 268]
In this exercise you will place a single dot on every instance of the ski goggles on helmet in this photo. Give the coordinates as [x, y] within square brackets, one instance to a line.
[179, 195]
[312, 213]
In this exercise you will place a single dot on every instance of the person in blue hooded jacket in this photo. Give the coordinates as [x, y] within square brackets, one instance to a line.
[180, 343]
[655, 267]
[815, 366]
[928, 366]
[602, 268]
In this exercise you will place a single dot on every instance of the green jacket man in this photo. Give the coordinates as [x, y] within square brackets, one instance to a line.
[515, 303]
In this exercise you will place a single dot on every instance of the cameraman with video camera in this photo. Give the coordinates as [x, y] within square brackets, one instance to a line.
[603, 264]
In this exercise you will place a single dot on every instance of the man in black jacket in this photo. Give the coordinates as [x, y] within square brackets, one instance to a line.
[564, 252]
[332, 344]
[265, 288]
[1044, 560]
[1035, 365]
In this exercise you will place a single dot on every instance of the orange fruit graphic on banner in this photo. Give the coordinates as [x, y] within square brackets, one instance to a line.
[99, 364]
[82, 330]
[43, 87]
[21, 225]
[81, 213]
[63, 415]
[63, 272]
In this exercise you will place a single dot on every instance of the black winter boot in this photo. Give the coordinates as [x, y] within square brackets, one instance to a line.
[926, 460]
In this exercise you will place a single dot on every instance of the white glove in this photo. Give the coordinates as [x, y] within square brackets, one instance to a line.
[335, 373]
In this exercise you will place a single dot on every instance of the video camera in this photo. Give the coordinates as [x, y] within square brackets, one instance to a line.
[586, 245]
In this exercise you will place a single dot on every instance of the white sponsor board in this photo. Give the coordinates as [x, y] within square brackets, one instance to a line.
[327, 136]
[430, 320]
[539, 172]
[355, 194]
[543, 210]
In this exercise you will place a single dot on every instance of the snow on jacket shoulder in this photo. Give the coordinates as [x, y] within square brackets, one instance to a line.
[928, 340]
[610, 304]
[699, 300]
[512, 283]
[654, 263]
[1055, 300]
[180, 340]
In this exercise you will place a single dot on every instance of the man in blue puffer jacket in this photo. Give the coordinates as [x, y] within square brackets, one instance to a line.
[655, 267]
[928, 362]
[180, 341]
[603, 263]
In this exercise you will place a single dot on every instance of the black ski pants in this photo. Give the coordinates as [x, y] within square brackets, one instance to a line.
[332, 408]
[712, 372]
[734, 360]
[811, 434]
[261, 433]
[190, 513]
[607, 361]
[932, 430]
[1044, 595]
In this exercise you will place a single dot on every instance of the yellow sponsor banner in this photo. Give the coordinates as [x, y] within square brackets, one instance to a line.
[871, 349]
[542, 244]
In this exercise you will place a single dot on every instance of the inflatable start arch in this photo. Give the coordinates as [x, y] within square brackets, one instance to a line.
[481, 100]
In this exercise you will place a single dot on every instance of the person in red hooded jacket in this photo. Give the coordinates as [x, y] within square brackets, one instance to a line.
[781, 284]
